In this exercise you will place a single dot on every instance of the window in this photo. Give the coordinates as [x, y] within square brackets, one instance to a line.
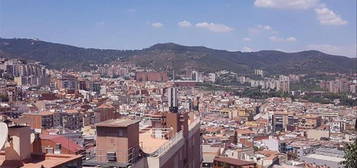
[120, 132]
[111, 156]
[49, 150]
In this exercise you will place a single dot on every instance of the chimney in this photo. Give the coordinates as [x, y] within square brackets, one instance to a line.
[20, 143]
[36, 145]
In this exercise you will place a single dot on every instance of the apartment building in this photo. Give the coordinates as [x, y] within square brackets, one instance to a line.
[122, 143]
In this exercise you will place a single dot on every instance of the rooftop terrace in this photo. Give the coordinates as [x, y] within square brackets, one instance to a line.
[49, 160]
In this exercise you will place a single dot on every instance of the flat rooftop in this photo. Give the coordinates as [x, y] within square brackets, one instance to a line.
[150, 144]
[50, 160]
[117, 123]
[317, 159]
[324, 157]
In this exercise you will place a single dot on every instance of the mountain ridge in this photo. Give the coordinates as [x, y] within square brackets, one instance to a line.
[164, 56]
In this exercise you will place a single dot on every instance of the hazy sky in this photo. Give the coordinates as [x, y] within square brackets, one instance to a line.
[245, 25]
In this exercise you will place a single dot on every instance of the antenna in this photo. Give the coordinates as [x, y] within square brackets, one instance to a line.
[3, 134]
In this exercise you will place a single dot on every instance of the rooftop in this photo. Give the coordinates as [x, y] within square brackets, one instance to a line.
[44, 113]
[50, 160]
[245, 131]
[210, 149]
[232, 161]
[104, 106]
[324, 157]
[150, 144]
[117, 123]
[64, 141]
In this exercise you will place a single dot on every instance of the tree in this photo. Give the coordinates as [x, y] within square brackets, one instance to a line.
[350, 157]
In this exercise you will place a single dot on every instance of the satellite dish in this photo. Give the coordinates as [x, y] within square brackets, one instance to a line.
[32, 137]
[3, 134]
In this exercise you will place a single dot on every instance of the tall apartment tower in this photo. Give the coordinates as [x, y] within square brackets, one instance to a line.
[172, 99]
[196, 76]
[284, 83]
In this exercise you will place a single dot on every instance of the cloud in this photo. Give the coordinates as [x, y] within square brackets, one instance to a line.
[345, 50]
[325, 15]
[329, 17]
[157, 25]
[247, 49]
[265, 27]
[184, 23]
[291, 39]
[262, 28]
[280, 39]
[214, 27]
[247, 39]
[286, 4]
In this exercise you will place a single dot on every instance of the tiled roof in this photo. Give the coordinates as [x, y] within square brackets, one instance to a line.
[64, 141]
[232, 161]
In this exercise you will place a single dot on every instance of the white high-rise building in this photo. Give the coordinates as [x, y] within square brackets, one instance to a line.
[283, 83]
[172, 99]
[197, 76]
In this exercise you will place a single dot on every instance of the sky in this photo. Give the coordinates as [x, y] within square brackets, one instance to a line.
[234, 25]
